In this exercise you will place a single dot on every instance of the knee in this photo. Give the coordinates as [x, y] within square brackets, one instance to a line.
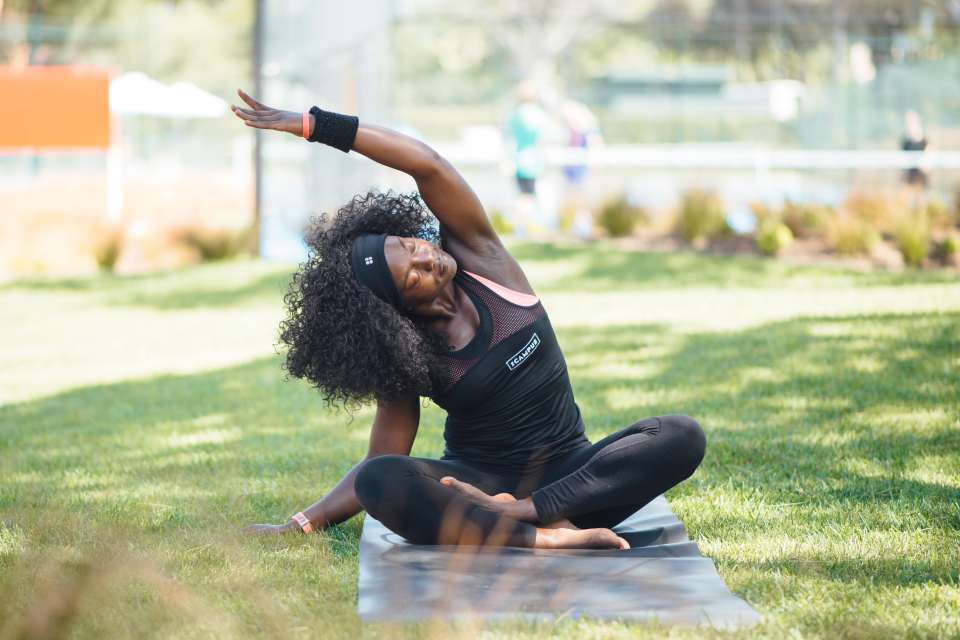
[691, 440]
[375, 477]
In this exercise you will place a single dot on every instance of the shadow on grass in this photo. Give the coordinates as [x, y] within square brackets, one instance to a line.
[218, 284]
[267, 288]
[837, 414]
[793, 412]
[213, 439]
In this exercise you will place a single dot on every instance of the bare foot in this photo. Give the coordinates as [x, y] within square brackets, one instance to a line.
[562, 523]
[579, 539]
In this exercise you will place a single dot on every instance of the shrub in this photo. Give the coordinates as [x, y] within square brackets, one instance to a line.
[806, 220]
[879, 210]
[567, 215]
[938, 215]
[500, 223]
[107, 246]
[772, 236]
[947, 248]
[216, 244]
[48, 242]
[618, 217]
[701, 215]
[852, 236]
[913, 239]
[763, 213]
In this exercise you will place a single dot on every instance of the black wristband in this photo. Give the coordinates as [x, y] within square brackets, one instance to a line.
[334, 129]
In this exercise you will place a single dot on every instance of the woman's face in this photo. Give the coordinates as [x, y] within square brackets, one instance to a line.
[420, 269]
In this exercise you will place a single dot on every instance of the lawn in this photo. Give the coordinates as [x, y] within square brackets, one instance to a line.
[144, 420]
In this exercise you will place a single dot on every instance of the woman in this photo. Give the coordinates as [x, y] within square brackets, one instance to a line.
[381, 310]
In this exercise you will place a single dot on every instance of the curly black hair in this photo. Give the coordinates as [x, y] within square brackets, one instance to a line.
[351, 345]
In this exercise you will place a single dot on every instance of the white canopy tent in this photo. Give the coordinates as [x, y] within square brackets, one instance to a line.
[136, 93]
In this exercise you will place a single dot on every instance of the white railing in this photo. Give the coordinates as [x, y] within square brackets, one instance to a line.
[715, 157]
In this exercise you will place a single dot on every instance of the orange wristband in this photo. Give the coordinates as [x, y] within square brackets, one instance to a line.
[303, 522]
[306, 125]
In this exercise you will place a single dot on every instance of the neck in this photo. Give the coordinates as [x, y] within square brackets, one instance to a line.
[447, 305]
[450, 300]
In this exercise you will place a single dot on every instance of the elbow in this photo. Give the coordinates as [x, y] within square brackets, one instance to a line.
[430, 164]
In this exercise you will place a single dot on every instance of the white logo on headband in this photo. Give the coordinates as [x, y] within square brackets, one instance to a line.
[368, 260]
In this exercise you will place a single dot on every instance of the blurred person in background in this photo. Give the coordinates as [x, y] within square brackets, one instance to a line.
[914, 140]
[583, 133]
[527, 123]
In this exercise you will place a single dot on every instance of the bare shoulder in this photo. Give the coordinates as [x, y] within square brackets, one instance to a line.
[489, 259]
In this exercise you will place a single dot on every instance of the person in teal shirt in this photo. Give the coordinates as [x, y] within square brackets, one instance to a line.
[526, 125]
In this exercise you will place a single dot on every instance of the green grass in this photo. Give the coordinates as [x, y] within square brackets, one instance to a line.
[144, 420]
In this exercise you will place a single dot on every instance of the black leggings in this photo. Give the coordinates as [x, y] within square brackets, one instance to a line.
[598, 485]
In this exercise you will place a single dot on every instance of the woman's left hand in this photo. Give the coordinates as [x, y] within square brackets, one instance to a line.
[504, 503]
[260, 116]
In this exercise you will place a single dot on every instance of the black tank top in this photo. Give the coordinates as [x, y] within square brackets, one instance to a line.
[508, 397]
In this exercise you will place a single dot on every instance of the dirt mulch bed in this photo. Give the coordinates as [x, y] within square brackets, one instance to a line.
[803, 251]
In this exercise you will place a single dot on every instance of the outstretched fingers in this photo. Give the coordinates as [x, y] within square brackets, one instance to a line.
[259, 106]
[257, 120]
[265, 116]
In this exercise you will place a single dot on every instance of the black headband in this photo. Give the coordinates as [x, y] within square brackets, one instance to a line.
[369, 263]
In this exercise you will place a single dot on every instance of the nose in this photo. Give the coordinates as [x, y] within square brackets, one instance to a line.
[426, 257]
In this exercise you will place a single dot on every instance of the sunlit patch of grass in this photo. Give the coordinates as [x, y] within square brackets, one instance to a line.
[12, 542]
[148, 419]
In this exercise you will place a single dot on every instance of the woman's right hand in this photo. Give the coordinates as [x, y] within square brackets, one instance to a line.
[260, 116]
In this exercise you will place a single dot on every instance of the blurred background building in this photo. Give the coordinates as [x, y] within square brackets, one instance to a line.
[760, 100]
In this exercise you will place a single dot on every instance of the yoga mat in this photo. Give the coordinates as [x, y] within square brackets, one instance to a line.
[662, 576]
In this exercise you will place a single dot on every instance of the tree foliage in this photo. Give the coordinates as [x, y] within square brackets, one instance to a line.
[207, 41]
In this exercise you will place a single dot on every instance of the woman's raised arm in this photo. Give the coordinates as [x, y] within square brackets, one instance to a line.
[443, 189]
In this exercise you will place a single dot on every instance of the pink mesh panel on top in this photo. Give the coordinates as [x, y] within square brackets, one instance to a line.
[516, 297]
[456, 369]
[506, 318]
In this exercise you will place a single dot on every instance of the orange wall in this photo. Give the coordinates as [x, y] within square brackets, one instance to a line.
[54, 107]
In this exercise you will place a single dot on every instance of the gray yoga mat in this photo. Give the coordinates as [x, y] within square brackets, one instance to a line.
[662, 576]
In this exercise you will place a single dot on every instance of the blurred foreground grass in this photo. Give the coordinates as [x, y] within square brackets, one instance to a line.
[146, 419]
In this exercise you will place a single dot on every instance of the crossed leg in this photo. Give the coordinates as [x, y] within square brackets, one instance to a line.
[406, 495]
[594, 488]
[619, 474]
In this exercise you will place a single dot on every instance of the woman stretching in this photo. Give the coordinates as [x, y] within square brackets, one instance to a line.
[387, 308]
